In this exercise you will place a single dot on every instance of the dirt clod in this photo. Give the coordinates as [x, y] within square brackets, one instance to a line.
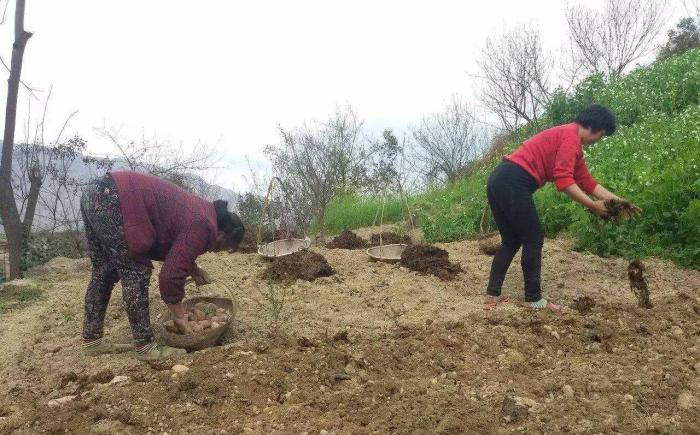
[512, 411]
[305, 264]
[583, 304]
[102, 377]
[389, 238]
[638, 284]
[430, 260]
[347, 240]
[619, 209]
[249, 244]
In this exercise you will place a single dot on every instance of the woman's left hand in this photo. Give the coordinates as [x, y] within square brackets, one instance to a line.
[200, 276]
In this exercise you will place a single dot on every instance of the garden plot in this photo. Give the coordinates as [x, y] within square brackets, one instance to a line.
[375, 349]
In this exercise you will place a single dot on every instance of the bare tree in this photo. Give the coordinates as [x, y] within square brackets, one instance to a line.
[8, 208]
[316, 162]
[514, 77]
[610, 40]
[172, 162]
[446, 144]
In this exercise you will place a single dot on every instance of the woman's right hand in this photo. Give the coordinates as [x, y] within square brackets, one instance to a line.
[598, 208]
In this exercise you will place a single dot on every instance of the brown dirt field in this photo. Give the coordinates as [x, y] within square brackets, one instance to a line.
[377, 349]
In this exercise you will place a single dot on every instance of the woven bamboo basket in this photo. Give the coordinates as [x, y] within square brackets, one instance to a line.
[208, 337]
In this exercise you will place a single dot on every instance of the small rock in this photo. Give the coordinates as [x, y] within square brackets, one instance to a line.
[341, 377]
[58, 402]
[697, 366]
[323, 432]
[119, 380]
[686, 401]
[179, 368]
[677, 331]
[567, 390]
[637, 383]
[628, 398]
[513, 411]
[555, 334]
[229, 376]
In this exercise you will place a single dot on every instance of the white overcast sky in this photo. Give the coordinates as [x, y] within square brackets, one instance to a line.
[226, 72]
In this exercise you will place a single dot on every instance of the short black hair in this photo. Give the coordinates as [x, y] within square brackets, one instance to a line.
[597, 118]
[230, 224]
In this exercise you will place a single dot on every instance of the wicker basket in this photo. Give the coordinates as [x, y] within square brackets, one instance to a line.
[280, 248]
[206, 338]
[386, 253]
[489, 243]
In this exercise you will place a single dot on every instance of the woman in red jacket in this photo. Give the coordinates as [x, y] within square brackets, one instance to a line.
[552, 155]
[131, 219]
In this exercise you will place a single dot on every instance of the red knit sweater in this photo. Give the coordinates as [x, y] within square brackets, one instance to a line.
[163, 222]
[555, 155]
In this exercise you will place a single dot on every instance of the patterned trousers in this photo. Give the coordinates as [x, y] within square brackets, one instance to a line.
[100, 209]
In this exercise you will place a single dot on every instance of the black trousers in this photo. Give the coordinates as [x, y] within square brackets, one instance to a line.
[509, 190]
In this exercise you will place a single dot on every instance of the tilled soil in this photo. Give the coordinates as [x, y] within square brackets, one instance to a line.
[429, 259]
[375, 349]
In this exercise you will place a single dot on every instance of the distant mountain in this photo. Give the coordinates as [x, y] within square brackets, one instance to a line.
[65, 207]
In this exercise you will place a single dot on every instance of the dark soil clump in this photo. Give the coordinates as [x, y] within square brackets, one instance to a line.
[248, 245]
[619, 209]
[638, 284]
[583, 304]
[305, 264]
[347, 240]
[390, 239]
[430, 260]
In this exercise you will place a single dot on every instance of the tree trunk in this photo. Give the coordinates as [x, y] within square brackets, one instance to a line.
[322, 223]
[8, 206]
[35, 181]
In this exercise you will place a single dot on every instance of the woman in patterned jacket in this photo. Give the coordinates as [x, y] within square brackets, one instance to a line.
[131, 219]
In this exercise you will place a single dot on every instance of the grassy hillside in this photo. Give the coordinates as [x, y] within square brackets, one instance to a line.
[653, 159]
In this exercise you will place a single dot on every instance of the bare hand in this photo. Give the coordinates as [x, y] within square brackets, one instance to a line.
[183, 325]
[634, 211]
[598, 208]
[200, 276]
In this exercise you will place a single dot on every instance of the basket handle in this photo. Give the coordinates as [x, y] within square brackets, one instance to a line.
[381, 219]
[403, 195]
[266, 204]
